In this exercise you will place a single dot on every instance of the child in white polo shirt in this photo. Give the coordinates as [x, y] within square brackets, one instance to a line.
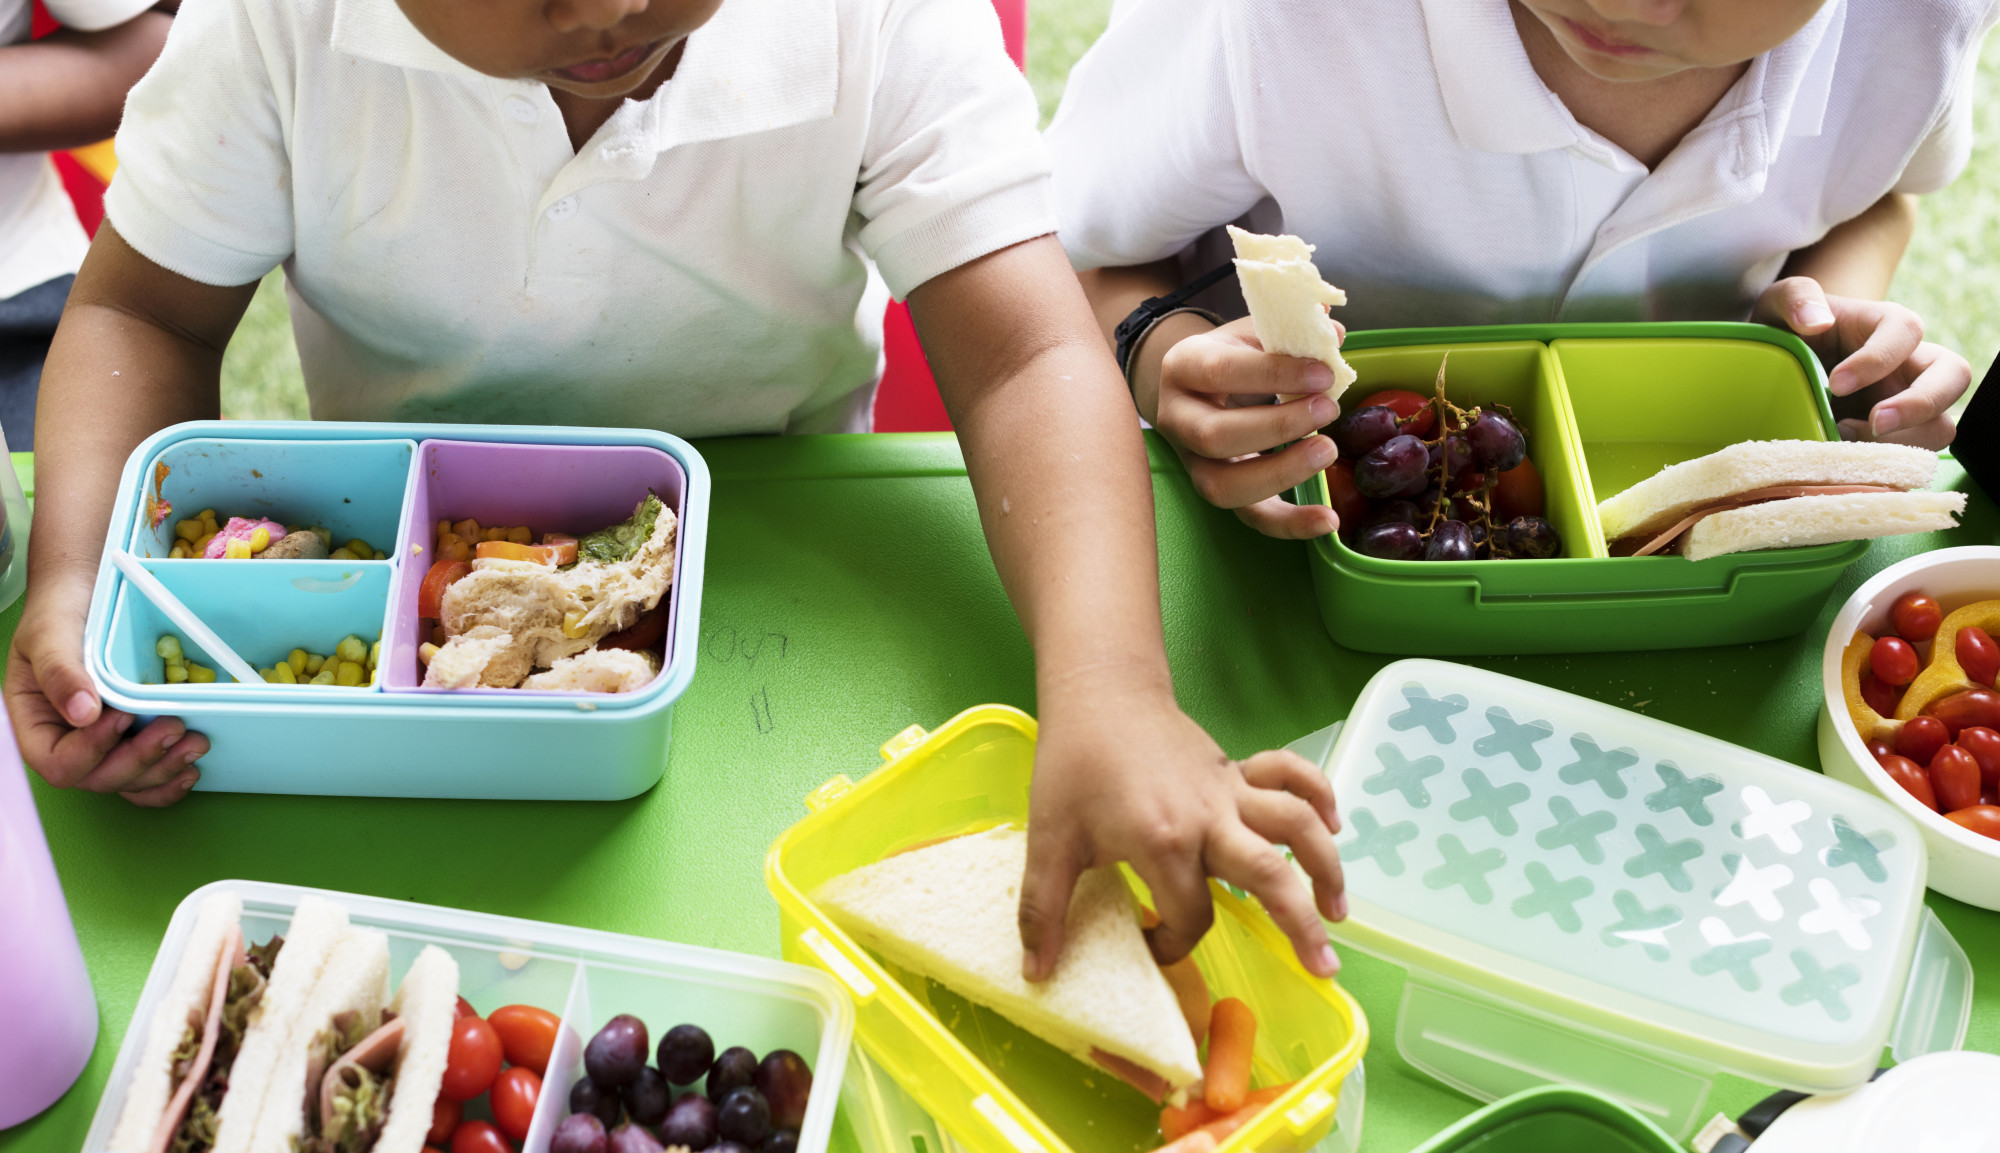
[653, 213]
[1485, 162]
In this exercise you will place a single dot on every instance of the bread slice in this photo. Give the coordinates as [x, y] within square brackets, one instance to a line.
[354, 979]
[188, 993]
[427, 1002]
[317, 925]
[1811, 520]
[1287, 300]
[949, 912]
[1664, 498]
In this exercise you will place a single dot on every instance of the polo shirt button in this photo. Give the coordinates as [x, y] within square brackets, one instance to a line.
[563, 209]
[519, 108]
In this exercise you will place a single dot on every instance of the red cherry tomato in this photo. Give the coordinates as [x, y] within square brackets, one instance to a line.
[1978, 655]
[527, 1035]
[463, 1009]
[1518, 492]
[1881, 696]
[1916, 616]
[1984, 745]
[1954, 779]
[430, 594]
[1893, 661]
[474, 1060]
[1348, 504]
[1981, 819]
[513, 1101]
[1980, 707]
[432, 1149]
[480, 1137]
[1906, 773]
[1405, 404]
[1920, 738]
[445, 1116]
[1880, 748]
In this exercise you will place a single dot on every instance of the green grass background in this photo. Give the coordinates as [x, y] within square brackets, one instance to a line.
[1951, 275]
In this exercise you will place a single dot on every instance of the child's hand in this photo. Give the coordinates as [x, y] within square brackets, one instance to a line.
[1133, 779]
[1904, 383]
[66, 734]
[1215, 406]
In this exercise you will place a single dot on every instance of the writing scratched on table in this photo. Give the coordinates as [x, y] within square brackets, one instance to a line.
[728, 645]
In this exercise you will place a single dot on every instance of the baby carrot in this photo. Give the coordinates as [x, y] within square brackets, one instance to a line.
[1232, 1036]
[1191, 990]
[1176, 1123]
[1199, 1141]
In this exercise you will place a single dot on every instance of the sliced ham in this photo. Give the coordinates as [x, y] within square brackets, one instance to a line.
[1741, 500]
[226, 960]
[374, 1053]
[1144, 1080]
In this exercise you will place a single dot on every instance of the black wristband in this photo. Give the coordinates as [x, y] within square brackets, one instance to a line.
[1131, 329]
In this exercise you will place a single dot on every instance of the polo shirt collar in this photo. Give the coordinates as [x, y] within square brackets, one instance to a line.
[757, 65]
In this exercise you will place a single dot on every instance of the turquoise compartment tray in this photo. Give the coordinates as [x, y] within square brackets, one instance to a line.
[361, 480]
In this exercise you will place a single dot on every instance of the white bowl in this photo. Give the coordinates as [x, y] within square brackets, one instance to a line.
[1963, 864]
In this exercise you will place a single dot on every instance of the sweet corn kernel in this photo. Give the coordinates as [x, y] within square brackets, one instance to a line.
[326, 676]
[169, 649]
[314, 663]
[352, 648]
[467, 528]
[260, 539]
[360, 548]
[179, 551]
[177, 674]
[297, 659]
[444, 526]
[201, 546]
[283, 675]
[380, 555]
[270, 675]
[519, 534]
[200, 675]
[188, 530]
[349, 676]
[236, 548]
[425, 652]
[375, 654]
[572, 625]
[341, 553]
[324, 534]
[375, 674]
[454, 547]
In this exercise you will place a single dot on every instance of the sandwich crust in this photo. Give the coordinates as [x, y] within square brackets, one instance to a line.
[189, 992]
[1671, 494]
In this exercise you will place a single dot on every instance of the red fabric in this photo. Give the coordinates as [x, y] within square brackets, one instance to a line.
[84, 191]
[43, 23]
[908, 398]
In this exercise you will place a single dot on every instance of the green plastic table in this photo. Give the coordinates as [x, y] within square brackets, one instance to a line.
[849, 595]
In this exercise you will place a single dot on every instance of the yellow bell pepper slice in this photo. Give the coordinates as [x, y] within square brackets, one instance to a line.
[1869, 723]
[1944, 676]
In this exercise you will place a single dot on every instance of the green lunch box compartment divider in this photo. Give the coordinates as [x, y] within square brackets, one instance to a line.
[1552, 1119]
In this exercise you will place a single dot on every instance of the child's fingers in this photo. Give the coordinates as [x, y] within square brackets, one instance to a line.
[1292, 773]
[1252, 863]
[1180, 897]
[1054, 863]
[1284, 819]
[1896, 334]
[135, 762]
[1230, 363]
[1198, 424]
[1274, 516]
[177, 756]
[1797, 303]
[160, 796]
[1942, 377]
[1235, 483]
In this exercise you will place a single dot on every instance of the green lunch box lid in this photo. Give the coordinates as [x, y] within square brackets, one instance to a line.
[1541, 859]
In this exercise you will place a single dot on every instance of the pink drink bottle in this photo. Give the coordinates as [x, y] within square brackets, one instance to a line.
[45, 999]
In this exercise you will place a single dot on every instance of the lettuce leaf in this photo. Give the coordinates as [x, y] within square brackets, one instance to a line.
[619, 542]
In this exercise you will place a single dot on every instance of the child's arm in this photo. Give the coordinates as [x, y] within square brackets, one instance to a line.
[1895, 385]
[68, 88]
[1121, 773]
[139, 348]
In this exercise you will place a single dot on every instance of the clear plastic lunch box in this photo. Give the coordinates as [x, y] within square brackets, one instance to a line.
[389, 485]
[993, 1087]
[1605, 406]
[586, 976]
[1583, 895]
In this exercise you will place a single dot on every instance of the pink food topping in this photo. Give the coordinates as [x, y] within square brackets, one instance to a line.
[239, 528]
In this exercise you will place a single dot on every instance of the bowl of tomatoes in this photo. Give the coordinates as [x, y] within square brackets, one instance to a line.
[1909, 707]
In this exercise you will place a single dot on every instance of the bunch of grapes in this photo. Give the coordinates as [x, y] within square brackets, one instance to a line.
[1422, 479]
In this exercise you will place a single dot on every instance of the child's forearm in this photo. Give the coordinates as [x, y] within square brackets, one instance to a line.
[68, 89]
[1057, 465]
[139, 348]
[1859, 257]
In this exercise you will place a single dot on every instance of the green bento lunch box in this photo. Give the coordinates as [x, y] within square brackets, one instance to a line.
[1605, 406]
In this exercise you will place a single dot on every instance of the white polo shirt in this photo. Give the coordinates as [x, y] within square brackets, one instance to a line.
[695, 267]
[1445, 184]
[40, 238]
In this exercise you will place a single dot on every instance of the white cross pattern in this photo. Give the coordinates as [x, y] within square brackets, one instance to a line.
[1757, 888]
[1716, 932]
[1837, 914]
[1775, 821]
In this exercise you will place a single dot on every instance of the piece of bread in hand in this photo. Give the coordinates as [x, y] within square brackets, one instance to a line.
[1288, 300]
[948, 911]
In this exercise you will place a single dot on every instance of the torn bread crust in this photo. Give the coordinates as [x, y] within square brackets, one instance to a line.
[1288, 301]
[1638, 546]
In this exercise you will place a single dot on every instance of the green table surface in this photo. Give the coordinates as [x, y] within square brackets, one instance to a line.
[849, 594]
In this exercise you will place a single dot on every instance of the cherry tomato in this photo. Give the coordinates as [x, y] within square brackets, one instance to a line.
[474, 1060]
[527, 1035]
[1921, 738]
[463, 1009]
[430, 594]
[1980, 707]
[480, 1137]
[1405, 404]
[513, 1101]
[1518, 493]
[1893, 661]
[1906, 773]
[1916, 616]
[1978, 655]
[1954, 779]
[1984, 745]
[432, 1149]
[445, 1116]
[1880, 748]
[1981, 819]
[1348, 503]
[1880, 696]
